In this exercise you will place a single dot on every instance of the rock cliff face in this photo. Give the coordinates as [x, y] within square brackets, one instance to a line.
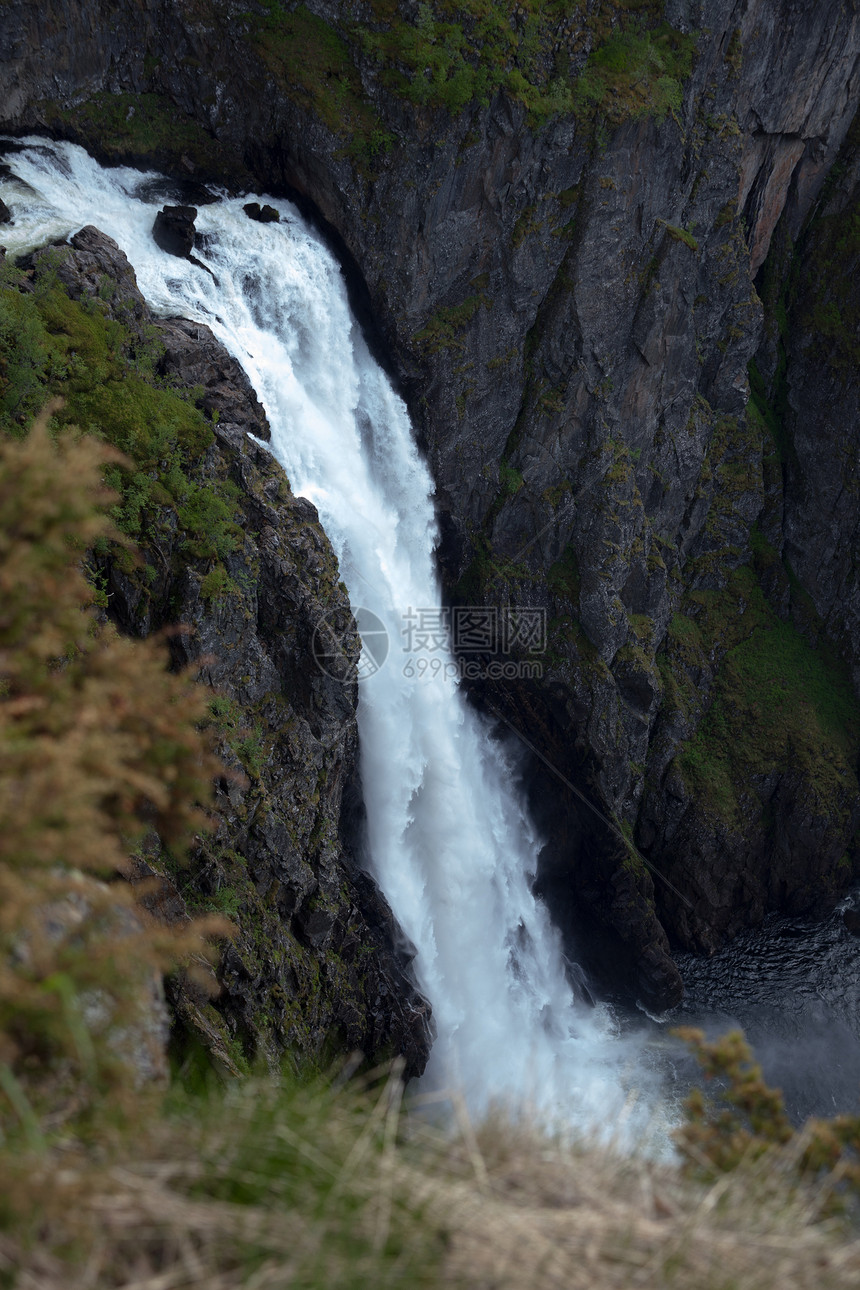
[319, 966]
[571, 304]
[815, 386]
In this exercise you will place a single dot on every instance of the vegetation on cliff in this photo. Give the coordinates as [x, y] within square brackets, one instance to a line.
[270, 1182]
[137, 127]
[456, 54]
[106, 373]
[779, 703]
[618, 60]
[210, 536]
[98, 745]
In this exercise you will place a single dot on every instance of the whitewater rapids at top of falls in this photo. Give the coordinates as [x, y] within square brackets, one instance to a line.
[450, 839]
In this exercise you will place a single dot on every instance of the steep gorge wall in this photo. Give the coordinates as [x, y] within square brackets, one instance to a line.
[219, 550]
[571, 310]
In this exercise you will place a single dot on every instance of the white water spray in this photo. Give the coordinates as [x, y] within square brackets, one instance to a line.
[451, 843]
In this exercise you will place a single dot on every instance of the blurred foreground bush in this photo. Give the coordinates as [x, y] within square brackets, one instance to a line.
[98, 743]
[744, 1121]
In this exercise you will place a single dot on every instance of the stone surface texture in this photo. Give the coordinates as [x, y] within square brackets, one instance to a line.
[318, 966]
[570, 312]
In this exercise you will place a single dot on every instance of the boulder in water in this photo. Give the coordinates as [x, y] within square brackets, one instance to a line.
[262, 214]
[851, 919]
[173, 230]
[6, 214]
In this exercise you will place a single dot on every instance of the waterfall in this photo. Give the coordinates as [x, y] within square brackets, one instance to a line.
[450, 839]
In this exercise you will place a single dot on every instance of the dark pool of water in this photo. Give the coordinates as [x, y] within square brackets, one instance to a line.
[793, 986]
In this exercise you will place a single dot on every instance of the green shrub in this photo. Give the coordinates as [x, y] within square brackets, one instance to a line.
[246, 740]
[636, 73]
[27, 358]
[510, 479]
[216, 583]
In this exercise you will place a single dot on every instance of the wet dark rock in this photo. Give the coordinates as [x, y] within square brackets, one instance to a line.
[193, 357]
[5, 214]
[262, 214]
[174, 230]
[314, 927]
[178, 191]
[97, 257]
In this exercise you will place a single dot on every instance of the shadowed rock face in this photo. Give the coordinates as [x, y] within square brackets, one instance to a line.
[319, 965]
[571, 313]
[822, 408]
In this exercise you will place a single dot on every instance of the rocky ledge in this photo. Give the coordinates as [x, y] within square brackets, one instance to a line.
[319, 966]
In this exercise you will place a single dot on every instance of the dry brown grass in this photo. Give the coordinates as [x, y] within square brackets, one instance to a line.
[551, 1216]
[316, 1192]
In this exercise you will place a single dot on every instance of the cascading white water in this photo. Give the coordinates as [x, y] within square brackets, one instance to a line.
[451, 843]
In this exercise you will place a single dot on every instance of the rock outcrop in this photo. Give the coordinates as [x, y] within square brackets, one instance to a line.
[173, 230]
[818, 396]
[571, 303]
[318, 966]
[264, 214]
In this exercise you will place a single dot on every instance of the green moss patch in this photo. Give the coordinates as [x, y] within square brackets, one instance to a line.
[150, 127]
[441, 330]
[682, 235]
[240, 729]
[106, 373]
[454, 54]
[457, 52]
[314, 65]
[637, 72]
[778, 704]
